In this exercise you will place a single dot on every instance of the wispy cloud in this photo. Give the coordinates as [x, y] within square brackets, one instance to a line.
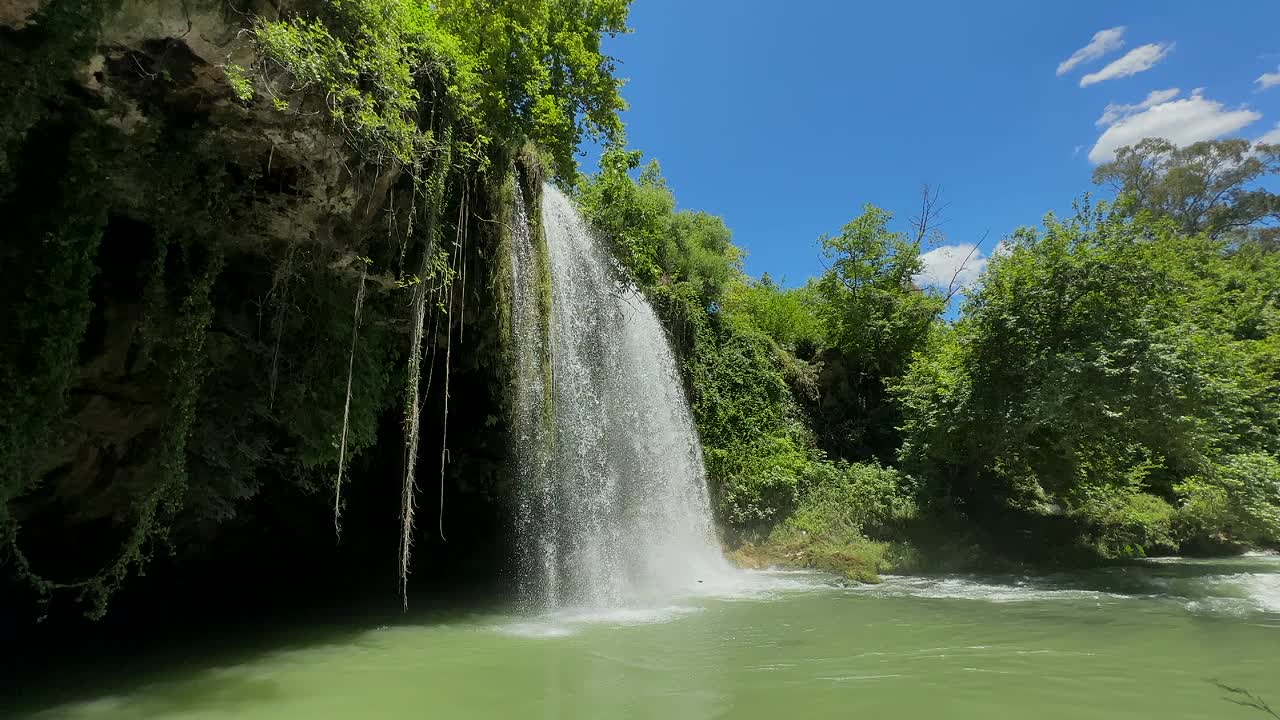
[1116, 111]
[1139, 59]
[951, 266]
[1271, 137]
[1181, 122]
[1104, 41]
[1266, 81]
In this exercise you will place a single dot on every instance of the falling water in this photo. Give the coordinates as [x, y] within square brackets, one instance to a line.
[614, 508]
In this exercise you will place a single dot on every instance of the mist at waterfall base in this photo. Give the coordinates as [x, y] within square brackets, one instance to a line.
[614, 511]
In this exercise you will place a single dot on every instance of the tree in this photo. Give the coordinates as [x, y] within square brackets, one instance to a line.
[657, 244]
[400, 76]
[788, 316]
[1210, 187]
[1103, 364]
[876, 318]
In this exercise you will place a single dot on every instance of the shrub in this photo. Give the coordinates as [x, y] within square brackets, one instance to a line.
[1127, 523]
[1239, 496]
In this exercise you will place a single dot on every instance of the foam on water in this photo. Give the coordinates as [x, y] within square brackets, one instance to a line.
[734, 586]
[961, 588]
[1239, 594]
[1254, 587]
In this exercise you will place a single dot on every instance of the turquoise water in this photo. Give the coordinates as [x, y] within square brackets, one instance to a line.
[1147, 641]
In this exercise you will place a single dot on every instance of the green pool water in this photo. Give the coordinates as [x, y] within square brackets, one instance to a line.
[1147, 641]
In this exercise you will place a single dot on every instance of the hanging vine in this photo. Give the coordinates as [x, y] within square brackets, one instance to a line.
[433, 192]
[185, 378]
[346, 407]
[405, 84]
[45, 310]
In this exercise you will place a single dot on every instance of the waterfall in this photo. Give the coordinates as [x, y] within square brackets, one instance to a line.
[613, 499]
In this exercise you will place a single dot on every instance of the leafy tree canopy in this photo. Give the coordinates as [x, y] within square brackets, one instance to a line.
[506, 70]
[1211, 187]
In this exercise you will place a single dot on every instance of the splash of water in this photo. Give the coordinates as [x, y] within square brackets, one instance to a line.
[614, 509]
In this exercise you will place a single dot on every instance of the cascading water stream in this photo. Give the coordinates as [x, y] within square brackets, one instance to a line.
[614, 507]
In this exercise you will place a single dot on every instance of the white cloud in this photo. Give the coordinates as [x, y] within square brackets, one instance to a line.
[1271, 137]
[1181, 122]
[1266, 81]
[950, 266]
[1104, 41]
[1117, 111]
[1139, 59]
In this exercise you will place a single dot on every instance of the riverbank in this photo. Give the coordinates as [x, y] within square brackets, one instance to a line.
[940, 548]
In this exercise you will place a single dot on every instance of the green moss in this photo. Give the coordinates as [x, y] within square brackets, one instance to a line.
[500, 264]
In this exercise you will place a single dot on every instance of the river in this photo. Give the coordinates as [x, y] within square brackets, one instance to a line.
[1151, 640]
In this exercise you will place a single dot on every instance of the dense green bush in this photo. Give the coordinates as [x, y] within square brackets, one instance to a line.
[838, 498]
[1102, 363]
[788, 316]
[839, 509]
[1239, 497]
[1126, 523]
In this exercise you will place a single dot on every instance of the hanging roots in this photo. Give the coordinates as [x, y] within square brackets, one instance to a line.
[434, 197]
[458, 257]
[411, 427]
[279, 282]
[346, 408]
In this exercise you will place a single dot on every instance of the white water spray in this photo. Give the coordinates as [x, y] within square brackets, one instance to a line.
[614, 507]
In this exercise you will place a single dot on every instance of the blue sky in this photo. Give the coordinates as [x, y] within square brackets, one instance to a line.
[785, 118]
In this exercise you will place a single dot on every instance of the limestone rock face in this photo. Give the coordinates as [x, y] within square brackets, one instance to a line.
[291, 204]
[17, 13]
[202, 280]
[164, 62]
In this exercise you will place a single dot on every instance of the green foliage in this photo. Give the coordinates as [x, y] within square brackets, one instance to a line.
[634, 214]
[241, 84]
[875, 318]
[538, 70]
[312, 389]
[1101, 363]
[787, 316]
[872, 310]
[359, 56]
[852, 557]
[514, 72]
[45, 306]
[739, 339]
[1123, 522]
[838, 507]
[841, 498]
[1239, 497]
[1211, 186]
[184, 358]
[755, 444]
[656, 244]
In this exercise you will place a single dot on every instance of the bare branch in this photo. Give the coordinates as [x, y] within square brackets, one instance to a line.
[929, 218]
